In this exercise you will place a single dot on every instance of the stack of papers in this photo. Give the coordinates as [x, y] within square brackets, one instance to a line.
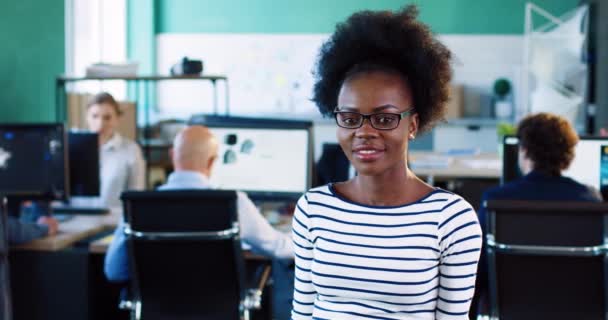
[109, 70]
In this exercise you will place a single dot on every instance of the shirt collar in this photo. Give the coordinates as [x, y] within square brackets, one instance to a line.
[114, 142]
[189, 179]
[536, 175]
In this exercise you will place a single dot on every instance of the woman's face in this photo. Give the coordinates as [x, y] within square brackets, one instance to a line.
[102, 118]
[371, 151]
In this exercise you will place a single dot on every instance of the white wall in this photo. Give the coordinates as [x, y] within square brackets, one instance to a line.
[270, 75]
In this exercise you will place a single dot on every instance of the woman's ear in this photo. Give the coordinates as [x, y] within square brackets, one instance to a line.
[413, 126]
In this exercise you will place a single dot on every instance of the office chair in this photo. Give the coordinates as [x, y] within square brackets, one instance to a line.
[547, 260]
[185, 256]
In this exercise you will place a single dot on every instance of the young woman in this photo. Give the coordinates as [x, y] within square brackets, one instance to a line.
[383, 245]
[121, 160]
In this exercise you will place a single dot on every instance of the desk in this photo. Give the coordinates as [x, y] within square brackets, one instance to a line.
[100, 246]
[66, 281]
[435, 165]
[59, 277]
[70, 232]
[466, 175]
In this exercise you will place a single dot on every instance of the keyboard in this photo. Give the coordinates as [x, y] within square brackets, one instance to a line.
[81, 210]
[63, 217]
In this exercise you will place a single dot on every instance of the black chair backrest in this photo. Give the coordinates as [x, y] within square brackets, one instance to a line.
[185, 253]
[547, 260]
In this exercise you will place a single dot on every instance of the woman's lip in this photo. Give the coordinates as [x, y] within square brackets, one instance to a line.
[368, 154]
[367, 147]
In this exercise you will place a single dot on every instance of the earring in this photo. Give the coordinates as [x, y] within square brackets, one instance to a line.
[412, 136]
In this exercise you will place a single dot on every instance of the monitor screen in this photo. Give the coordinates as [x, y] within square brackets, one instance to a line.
[84, 163]
[510, 165]
[589, 166]
[33, 161]
[265, 158]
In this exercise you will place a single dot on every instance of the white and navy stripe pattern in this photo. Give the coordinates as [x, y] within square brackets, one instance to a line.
[415, 261]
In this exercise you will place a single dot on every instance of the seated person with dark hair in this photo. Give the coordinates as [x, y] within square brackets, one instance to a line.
[546, 148]
[21, 232]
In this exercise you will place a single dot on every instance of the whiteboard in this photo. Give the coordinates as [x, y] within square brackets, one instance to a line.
[267, 73]
[271, 74]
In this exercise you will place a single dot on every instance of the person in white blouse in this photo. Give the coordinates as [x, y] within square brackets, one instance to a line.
[122, 166]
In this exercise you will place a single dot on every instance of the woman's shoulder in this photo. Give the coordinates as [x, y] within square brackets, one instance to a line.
[129, 144]
[325, 190]
[316, 193]
[439, 193]
[445, 200]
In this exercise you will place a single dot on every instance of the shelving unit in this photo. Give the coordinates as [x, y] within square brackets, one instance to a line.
[141, 82]
[143, 86]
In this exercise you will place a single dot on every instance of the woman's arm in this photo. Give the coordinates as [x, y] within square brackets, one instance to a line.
[304, 292]
[460, 245]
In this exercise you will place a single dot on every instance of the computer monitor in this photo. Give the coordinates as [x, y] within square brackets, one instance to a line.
[589, 166]
[267, 158]
[83, 148]
[510, 161]
[33, 161]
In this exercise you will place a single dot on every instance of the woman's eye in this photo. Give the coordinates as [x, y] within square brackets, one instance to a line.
[349, 120]
[385, 120]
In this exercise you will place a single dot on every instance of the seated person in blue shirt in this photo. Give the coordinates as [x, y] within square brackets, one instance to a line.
[22, 232]
[194, 153]
[546, 148]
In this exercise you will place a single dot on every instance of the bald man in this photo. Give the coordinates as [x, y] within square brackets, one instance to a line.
[193, 154]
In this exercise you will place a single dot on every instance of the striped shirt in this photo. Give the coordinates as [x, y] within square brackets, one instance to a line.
[355, 261]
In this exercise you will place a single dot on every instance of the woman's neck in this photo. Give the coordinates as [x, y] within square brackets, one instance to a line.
[104, 138]
[389, 189]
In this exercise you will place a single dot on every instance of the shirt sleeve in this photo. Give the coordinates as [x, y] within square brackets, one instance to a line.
[257, 232]
[137, 171]
[116, 263]
[304, 294]
[460, 245]
[21, 232]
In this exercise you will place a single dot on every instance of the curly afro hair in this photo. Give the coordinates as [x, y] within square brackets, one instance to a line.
[549, 141]
[391, 42]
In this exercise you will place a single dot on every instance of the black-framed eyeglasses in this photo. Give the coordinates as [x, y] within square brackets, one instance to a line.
[379, 121]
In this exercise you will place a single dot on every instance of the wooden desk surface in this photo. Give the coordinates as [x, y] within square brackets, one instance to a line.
[101, 245]
[70, 232]
[484, 165]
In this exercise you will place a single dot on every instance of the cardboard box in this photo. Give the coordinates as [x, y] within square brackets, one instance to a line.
[455, 105]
